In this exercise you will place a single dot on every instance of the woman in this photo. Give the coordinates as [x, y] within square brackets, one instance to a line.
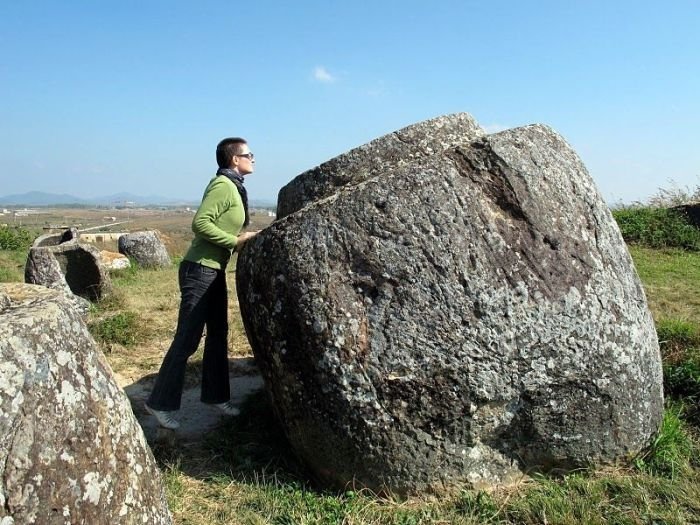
[202, 279]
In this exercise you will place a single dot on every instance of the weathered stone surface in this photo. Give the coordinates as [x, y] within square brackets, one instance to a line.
[71, 266]
[71, 234]
[400, 148]
[71, 450]
[48, 239]
[145, 248]
[464, 317]
[43, 268]
[54, 239]
[114, 261]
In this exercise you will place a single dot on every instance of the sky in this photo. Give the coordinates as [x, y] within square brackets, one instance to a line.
[132, 96]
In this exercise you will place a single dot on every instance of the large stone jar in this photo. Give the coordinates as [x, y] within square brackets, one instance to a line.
[71, 450]
[443, 306]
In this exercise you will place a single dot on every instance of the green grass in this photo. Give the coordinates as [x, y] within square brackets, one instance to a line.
[671, 281]
[682, 379]
[677, 333]
[618, 497]
[14, 245]
[671, 451]
[12, 266]
[123, 329]
[590, 498]
[126, 275]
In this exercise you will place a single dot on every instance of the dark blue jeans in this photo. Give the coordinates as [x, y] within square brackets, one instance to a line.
[203, 301]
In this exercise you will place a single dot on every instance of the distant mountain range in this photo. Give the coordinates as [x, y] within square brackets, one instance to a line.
[40, 198]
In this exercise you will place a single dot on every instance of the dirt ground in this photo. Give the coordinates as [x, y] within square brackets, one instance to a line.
[196, 418]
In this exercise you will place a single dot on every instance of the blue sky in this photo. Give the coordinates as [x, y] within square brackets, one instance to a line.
[103, 97]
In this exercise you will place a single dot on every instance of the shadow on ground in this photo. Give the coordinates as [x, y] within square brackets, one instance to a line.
[248, 448]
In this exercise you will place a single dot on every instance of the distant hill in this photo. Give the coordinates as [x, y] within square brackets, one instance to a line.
[40, 198]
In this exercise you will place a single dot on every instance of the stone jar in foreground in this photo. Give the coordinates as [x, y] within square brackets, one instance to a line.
[462, 316]
[71, 450]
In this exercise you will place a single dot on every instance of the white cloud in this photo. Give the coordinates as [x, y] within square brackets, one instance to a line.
[322, 75]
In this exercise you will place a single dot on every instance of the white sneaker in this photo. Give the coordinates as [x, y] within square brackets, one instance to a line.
[165, 418]
[228, 408]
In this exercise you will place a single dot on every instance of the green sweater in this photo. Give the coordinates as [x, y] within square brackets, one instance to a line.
[216, 224]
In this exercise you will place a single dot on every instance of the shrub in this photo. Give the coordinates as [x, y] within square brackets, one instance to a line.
[682, 380]
[14, 238]
[657, 228]
[123, 328]
[680, 347]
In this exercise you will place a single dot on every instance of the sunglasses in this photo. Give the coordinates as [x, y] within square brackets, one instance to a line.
[248, 156]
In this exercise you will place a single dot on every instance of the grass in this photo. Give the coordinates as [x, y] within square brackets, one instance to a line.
[671, 281]
[682, 378]
[14, 244]
[671, 452]
[120, 329]
[615, 497]
[12, 266]
[676, 335]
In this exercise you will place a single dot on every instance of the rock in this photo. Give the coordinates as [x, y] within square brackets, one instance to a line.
[4, 302]
[54, 239]
[71, 266]
[386, 153]
[114, 261]
[44, 269]
[464, 317]
[145, 248]
[71, 450]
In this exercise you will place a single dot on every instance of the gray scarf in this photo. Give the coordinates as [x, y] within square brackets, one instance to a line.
[237, 179]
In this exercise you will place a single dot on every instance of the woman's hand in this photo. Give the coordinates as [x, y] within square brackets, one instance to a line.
[244, 237]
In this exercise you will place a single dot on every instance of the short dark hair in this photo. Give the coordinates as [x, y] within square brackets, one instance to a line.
[226, 149]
